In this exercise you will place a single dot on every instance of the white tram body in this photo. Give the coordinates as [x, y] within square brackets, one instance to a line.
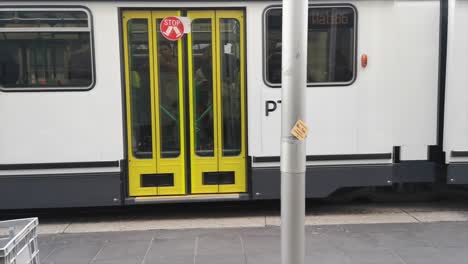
[456, 95]
[376, 125]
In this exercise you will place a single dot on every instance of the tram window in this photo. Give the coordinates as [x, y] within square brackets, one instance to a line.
[202, 75]
[43, 18]
[169, 108]
[140, 88]
[231, 86]
[330, 46]
[45, 50]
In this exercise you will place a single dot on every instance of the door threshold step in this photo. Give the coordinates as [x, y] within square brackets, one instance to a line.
[187, 198]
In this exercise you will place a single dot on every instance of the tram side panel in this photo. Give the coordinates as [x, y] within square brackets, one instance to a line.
[456, 103]
[391, 103]
[415, 71]
[62, 148]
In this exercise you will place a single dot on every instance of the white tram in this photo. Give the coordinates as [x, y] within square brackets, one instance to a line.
[97, 108]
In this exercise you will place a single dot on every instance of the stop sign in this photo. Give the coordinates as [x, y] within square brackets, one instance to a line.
[172, 28]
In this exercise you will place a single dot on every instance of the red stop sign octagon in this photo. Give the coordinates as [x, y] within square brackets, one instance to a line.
[172, 28]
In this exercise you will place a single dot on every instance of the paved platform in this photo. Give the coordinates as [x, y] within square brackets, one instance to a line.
[220, 216]
[387, 233]
[395, 243]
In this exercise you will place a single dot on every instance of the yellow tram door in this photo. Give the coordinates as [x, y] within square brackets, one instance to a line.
[154, 102]
[217, 101]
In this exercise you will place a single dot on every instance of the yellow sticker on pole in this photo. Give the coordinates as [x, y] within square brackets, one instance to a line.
[300, 130]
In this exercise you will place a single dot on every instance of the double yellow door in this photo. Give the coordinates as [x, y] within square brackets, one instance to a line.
[185, 104]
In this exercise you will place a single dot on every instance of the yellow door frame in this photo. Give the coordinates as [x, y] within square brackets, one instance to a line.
[170, 165]
[237, 164]
[201, 164]
[137, 166]
[156, 164]
[217, 163]
[159, 165]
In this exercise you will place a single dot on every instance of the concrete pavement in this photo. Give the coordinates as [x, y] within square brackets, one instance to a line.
[400, 243]
[408, 233]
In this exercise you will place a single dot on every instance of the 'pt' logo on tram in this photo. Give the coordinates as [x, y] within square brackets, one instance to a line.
[270, 106]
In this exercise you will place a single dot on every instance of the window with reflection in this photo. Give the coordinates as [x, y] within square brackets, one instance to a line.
[202, 76]
[140, 93]
[330, 45]
[230, 86]
[169, 111]
[42, 50]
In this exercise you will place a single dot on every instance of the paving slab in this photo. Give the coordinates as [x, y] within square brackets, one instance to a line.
[343, 219]
[190, 223]
[83, 252]
[219, 247]
[440, 216]
[47, 245]
[432, 206]
[53, 228]
[122, 252]
[424, 255]
[101, 225]
[161, 250]
[93, 225]
[355, 209]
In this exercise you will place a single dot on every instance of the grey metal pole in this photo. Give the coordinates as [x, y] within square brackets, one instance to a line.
[293, 150]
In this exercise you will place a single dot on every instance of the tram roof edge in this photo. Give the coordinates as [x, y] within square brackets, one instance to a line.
[77, 1]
